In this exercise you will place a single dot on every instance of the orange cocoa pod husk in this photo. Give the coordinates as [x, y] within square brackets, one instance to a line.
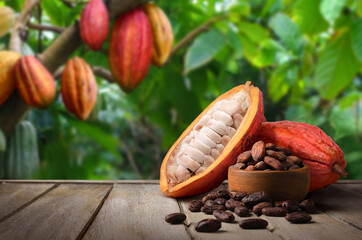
[35, 84]
[94, 24]
[130, 49]
[323, 156]
[78, 88]
[161, 33]
[7, 77]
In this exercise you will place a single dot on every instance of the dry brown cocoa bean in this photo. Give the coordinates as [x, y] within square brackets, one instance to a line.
[274, 211]
[258, 207]
[278, 203]
[220, 201]
[258, 151]
[208, 225]
[287, 164]
[223, 193]
[209, 203]
[224, 216]
[239, 166]
[195, 205]
[294, 167]
[271, 146]
[253, 223]
[231, 204]
[244, 157]
[238, 196]
[209, 196]
[285, 150]
[175, 218]
[308, 205]
[298, 217]
[290, 205]
[277, 155]
[256, 198]
[295, 160]
[241, 211]
[261, 166]
[272, 162]
[250, 168]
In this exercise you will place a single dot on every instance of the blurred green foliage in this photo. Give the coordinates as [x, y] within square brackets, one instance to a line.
[304, 55]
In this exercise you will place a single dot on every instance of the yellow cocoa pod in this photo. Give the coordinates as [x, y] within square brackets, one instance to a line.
[7, 76]
[161, 33]
[7, 20]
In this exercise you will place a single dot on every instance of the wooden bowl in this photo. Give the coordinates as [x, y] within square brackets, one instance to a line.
[281, 185]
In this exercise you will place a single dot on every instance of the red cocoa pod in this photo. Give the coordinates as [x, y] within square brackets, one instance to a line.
[130, 49]
[78, 88]
[7, 77]
[35, 84]
[94, 24]
[324, 157]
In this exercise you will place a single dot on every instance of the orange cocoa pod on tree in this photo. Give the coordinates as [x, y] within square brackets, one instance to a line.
[130, 49]
[94, 24]
[199, 160]
[78, 88]
[35, 84]
[161, 33]
[7, 20]
[7, 77]
[323, 156]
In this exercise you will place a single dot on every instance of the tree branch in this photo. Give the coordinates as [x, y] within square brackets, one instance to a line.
[103, 73]
[131, 160]
[46, 27]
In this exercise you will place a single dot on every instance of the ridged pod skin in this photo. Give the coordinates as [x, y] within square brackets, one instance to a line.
[35, 84]
[323, 156]
[94, 24]
[7, 77]
[78, 88]
[216, 173]
[7, 20]
[161, 33]
[130, 49]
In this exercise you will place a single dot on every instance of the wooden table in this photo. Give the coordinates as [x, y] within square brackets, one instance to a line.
[136, 210]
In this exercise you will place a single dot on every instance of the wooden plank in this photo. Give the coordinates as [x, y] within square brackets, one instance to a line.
[342, 204]
[60, 214]
[136, 212]
[108, 182]
[15, 195]
[355, 188]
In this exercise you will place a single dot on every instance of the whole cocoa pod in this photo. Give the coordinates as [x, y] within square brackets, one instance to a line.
[35, 84]
[7, 77]
[161, 33]
[94, 24]
[130, 49]
[7, 20]
[324, 157]
[78, 88]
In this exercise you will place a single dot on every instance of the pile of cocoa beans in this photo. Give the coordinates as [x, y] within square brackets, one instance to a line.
[267, 157]
[222, 203]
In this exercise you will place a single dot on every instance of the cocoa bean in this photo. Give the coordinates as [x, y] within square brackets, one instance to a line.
[195, 205]
[175, 218]
[294, 167]
[210, 196]
[209, 203]
[261, 166]
[271, 146]
[258, 207]
[258, 151]
[223, 216]
[290, 205]
[308, 205]
[244, 157]
[274, 211]
[208, 225]
[223, 193]
[285, 150]
[255, 198]
[298, 217]
[220, 201]
[272, 162]
[287, 164]
[239, 166]
[277, 155]
[253, 223]
[241, 211]
[231, 204]
[295, 160]
[238, 195]
[250, 168]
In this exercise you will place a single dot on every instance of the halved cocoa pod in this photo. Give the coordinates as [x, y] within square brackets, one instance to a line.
[199, 160]
[324, 157]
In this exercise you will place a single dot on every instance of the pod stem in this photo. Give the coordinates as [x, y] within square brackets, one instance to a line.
[339, 170]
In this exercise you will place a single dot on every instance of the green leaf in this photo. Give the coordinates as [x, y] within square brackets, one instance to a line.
[288, 31]
[204, 48]
[239, 8]
[357, 38]
[307, 15]
[281, 81]
[266, 53]
[2, 141]
[253, 31]
[331, 9]
[336, 67]
[350, 99]
[235, 43]
[359, 8]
